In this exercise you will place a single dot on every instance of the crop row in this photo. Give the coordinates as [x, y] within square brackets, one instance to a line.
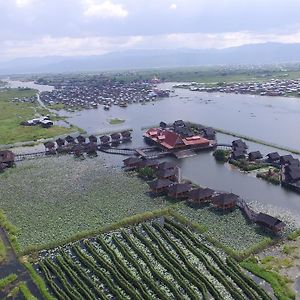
[146, 262]
[231, 269]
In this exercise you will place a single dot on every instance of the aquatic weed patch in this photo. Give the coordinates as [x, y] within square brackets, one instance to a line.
[229, 228]
[59, 197]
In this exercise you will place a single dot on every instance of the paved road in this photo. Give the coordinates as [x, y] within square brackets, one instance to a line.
[39, 100]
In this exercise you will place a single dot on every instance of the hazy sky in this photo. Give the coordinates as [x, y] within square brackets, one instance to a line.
[85, 27]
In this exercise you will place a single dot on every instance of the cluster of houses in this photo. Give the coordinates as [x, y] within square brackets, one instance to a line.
[31, 99]
[274, 87]
[168, 183]
[290, 172]
[105, 93]
[44, 121]
[7, 159]
[181, 136]
[90, 145]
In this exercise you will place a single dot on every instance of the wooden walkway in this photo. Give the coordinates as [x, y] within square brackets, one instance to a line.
[249, 213]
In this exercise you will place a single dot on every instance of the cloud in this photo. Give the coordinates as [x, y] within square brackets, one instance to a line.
[104, 10]
[66, 46]
[173, 6]
[23, 3]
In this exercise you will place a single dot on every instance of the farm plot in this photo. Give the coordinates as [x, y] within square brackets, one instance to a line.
[161, 259]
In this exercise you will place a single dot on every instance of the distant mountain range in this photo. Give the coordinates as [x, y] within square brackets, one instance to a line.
[267, 53]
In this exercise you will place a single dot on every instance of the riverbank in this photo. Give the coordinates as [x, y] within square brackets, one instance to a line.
[13, 112]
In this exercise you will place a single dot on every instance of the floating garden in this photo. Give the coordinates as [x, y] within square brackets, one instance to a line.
[158, 259]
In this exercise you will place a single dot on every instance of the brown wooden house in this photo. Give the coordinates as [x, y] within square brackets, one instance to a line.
[132, 162]
[254, 155]
[93, 139]
[200, 195]
[115, 137]
[91, 149]
[60, 142]
[273, 157]
[150, 163]
[105, 139]
[7, 157]
[81, 139]
[50, 147]
[167, 174]
[126, 135]
[179, 190]
[167, 165]
[225, 201]
[270, 222]
[69, 139]
[160, 185]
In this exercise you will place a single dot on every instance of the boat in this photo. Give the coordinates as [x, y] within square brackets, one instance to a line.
[106, 107]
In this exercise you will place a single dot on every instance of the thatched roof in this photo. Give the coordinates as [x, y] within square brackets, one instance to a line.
[93, 139]
[179, 188]
[167, 165]
[132, 161]
[201, 193]
[225, 199]
[165, 173]
[269, 221]
[160, 183]
[7, 156]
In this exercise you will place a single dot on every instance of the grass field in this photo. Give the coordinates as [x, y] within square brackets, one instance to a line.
[2, 251]
[146, 261]
[11, 114]
[212, 75]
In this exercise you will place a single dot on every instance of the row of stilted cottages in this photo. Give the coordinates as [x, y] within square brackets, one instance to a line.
[7, 159]
[239, 152]
[194, 196]
[68, 143]
[163, 170]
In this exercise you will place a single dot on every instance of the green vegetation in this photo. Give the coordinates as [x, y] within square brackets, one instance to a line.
[2, 251]
[277, 263]
[116, 121]
[229, 231]
[26, 292]
[222, 155]
[212, 75]
[279, 283]
[146, 173]
[247, 166]
[289, 249]
[10, 229]
[294, 235]
[70, 199]
[145, 261]
[258, 141]
[39, 282]
[12, 113]
[56, 106]
[4, 282]
[272, 175]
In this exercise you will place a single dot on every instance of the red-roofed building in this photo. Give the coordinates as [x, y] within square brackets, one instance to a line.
[170, 140]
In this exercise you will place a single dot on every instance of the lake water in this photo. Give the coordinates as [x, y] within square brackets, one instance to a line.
[273, 119]
[28, 84]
